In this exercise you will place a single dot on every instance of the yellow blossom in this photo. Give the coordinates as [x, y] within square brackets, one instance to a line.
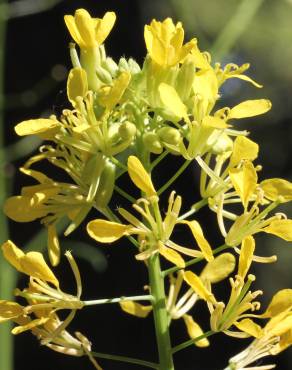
[49, 201]
[43, 294]
[164, 42]
[89, 32]
[154, 232]
[273, 338]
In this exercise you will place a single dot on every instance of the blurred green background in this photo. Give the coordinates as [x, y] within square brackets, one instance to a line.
[33, 65]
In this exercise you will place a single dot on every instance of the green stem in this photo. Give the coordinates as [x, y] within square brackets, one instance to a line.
[160, 313]
[125, 194]
[158, 159]
[238, 23]
[174, 177]
[192, 341]
[194, 208]
[195, 260]
[129, 360]
[7, 274]
[117, 300]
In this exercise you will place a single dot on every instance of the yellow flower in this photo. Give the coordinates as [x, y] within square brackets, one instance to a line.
[43, 294]
[252, 221]
[273, 338]
[241, 299]
[89, 32]
[178, 304]
[154, 232]
[164, 42]
[50, 201]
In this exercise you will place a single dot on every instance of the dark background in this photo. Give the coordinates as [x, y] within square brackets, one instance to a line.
[37, 59]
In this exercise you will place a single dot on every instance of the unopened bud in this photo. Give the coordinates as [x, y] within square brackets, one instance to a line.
[152, 143]
[169, 135]
[104, 75]
[111, 66]
[127, 130]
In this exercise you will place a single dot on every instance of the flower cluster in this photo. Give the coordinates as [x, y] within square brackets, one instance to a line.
[125, 119]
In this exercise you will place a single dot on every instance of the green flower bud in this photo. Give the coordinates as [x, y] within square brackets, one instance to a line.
[123, 65]
[133, 66]
[169, 135]
[106, 185]
[152, 143]
[127, 130]
[111, 66]
[104, 75]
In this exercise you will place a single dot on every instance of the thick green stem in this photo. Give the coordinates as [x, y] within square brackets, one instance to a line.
[7, 274]
[160, 314]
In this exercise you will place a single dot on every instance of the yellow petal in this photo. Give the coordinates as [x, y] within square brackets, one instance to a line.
[13, 254]
[219, 268]
[280, 228]
[140, 177]
[250, 108]
[19, 209]
[86, 28]
[200, 239]
[195, 331]
[285, 341]
[9, 310]
[104, 26]
[243, 149]
[105, 231]
[171, 100]
[200, 59]
[249, 327]
[246, 256]
[206, 87]
[53, 245]
[247, 79]
[46, 128]
[77, 84]
[282, 326]
[31, 325]
[135, 308]
[111, 96]
[214, 122]
[172, 256]
[244, 180]
[71, 25]
[197, 285]
[31, 263]
[281, 301]
[275, 189]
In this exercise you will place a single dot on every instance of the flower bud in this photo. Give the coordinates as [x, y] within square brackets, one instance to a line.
[103, 75]
[169, 135]
[152, 142]
[127, 130]
[111, 66]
